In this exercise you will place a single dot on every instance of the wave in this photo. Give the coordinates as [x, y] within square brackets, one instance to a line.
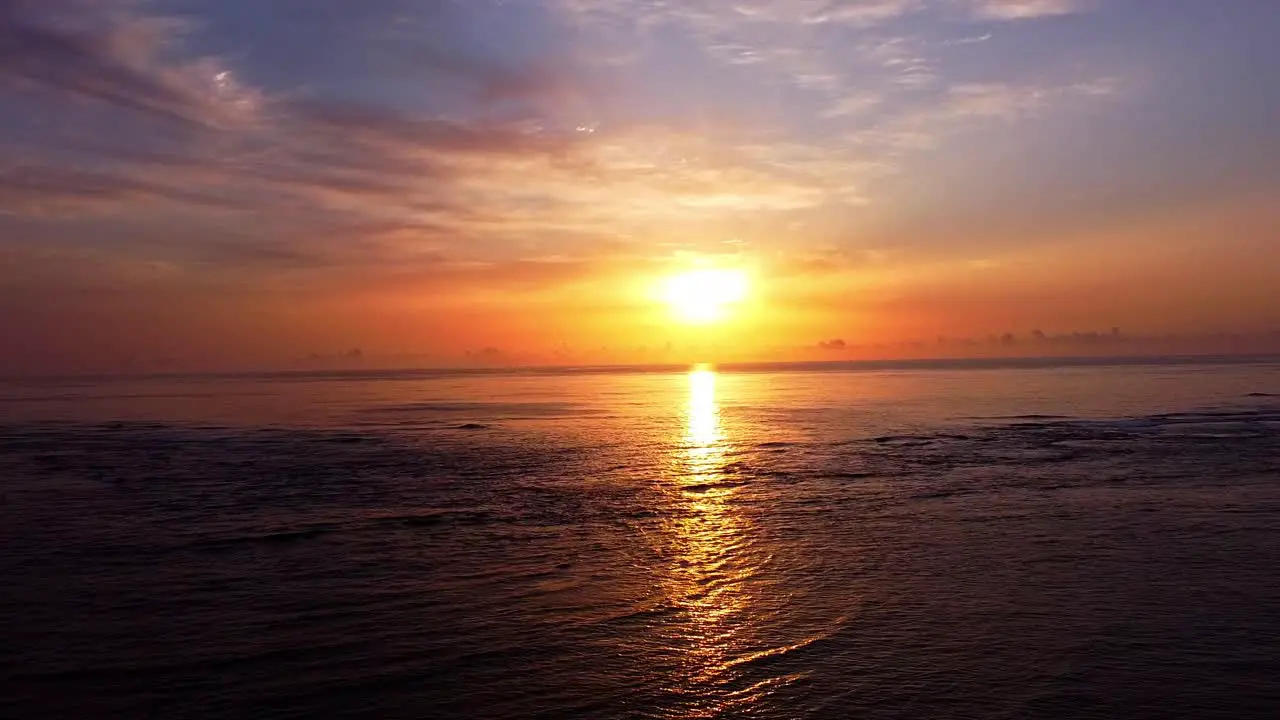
[315, 567]
[505, 410]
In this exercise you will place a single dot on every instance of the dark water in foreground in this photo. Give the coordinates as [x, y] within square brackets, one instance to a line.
[937, 543]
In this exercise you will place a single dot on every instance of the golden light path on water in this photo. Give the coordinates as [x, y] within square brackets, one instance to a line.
[713, 559]
[704, 418]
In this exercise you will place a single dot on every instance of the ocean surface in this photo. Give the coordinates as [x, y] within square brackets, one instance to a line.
[925, 540]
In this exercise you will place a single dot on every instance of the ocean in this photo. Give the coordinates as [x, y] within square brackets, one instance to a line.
[981, 539]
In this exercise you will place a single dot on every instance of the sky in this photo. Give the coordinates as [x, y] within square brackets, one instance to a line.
[226, 184]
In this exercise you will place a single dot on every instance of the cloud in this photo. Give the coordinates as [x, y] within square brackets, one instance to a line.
[971, 40]
[41, 189]
[107, 53]
[511, 168]
[1024, 9]
[852, 12]
[856, 104]
[835, 344]
[992, 100]
[538, 83]
[709, 15]
[816, 44]
[383, 127]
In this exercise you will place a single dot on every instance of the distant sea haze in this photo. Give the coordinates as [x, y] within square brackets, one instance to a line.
[1070, 538]
[1034, 345]
[821, 365]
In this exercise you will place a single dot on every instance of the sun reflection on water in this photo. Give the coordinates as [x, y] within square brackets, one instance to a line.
[704, 413]
[713, 559]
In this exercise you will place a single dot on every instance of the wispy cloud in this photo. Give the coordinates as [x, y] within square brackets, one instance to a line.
[1025, 9]
[108, 52]
[513, 167]
[37, 190]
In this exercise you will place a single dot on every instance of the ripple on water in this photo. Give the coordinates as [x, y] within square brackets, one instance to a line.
[1028, 567]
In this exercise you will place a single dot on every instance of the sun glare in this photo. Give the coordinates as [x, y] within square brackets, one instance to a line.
[705, 295]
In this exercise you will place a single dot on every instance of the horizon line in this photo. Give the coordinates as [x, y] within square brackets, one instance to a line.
[957, 363]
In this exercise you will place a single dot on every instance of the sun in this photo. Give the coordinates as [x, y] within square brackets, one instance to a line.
[704, 295]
